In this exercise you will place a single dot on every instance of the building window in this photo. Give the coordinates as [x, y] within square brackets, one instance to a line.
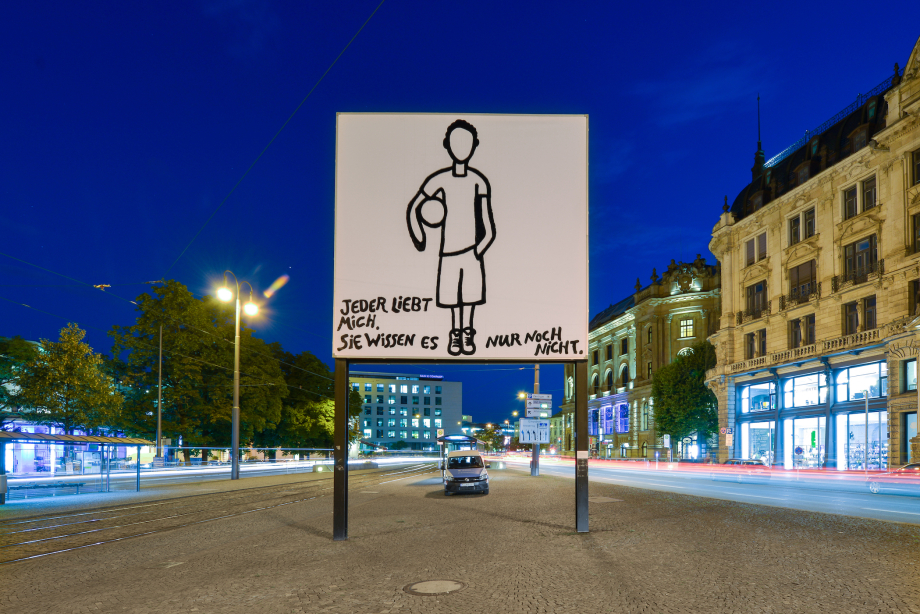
[756, 296]
[379, 387]
[649, 373]
[850, 318]
[426, 434]
[869, 310]
[802, 226]
[437, 412]
[404, 422]
[391, 434]
[426, 422]
[415, 400]
[914, 287]
[414, 434]
[624, 376]
[849, 203]
[802, 281]
[802, 174]
[427, 400]
[756, 202]
[367, 398]
[686, 328]
[609, 380]
[755, 344]
[427, 411]
[643, 424]
[758, 397]
[437, 389]
[367, 387]
[649, 334]
[594, 360]
[426, 390]
[437, 423]
[595, 385]
[415, 389]
[367, 412]
[392, 411]
[868, 194]
[872, 377]
[366, 423]
[644, 449]
[403, 411]
[404, 388]
[437, 400]
[609, 351]
[379, 421]
[415, 423]
[802, 331]
[806, 390]
[756, 249]
[379, 411]
[909, 377]
[624, 345]
[860, 259]
[392, 388]
[391, 421]
[402, 434]
[916, 166]
[367, 433]
[915, 236]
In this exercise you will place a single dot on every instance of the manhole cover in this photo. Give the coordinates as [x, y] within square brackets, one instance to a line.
[434, 587]
[602, 500]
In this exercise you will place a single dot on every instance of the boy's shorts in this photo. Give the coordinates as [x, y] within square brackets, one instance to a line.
[461, 280]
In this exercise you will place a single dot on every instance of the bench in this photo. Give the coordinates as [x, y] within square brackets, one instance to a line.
[40, 487]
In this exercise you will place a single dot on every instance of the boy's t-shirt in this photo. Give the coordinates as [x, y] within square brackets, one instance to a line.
[463, 221]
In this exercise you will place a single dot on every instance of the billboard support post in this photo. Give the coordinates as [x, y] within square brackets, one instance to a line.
[535, 458]
[581, 446]
[340, 453]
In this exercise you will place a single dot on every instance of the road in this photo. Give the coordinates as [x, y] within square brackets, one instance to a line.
[829, 494]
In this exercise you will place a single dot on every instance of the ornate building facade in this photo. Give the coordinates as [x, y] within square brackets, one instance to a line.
[820, 258]
[627, 343]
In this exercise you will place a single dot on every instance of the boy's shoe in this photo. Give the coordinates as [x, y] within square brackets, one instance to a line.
[469, 347]
[455, 345]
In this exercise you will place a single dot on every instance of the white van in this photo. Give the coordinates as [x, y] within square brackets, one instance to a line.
[465, 471]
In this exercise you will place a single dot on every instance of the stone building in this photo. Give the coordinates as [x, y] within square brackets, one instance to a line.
[627, 343]
[820, 258]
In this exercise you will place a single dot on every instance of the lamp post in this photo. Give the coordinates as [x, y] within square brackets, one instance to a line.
[226, 294]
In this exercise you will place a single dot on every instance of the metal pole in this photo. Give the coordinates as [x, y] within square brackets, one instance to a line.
[866, 448]
[138, 468]
[535, 457]
[159, 405]
[235, 429]
[581, 446]
[340, 453]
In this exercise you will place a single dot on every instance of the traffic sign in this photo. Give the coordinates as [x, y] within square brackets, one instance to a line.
[533, 431]
[538, 405]
[666, 441]
[541, 397]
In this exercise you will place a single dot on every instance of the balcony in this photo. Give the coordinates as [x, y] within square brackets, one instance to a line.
[858, 276]
[749, 315]
[854, 340]
[801, 295]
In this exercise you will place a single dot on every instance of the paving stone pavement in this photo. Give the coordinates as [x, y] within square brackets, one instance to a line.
[515, 550]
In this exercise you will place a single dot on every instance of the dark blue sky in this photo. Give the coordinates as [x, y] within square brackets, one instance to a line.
[125, 126]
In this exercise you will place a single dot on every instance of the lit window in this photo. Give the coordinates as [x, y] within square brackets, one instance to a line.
[355, 386]
[379, 387]
[403, 411]
[391, 400]
[367, 432]
[758, 397]
[402, 434]
[404, 388]
[367, 387]
[415, 423]
[686, 328]
[426, 390]
[437, 412]
[756, 249]
[391, 422]
[391, 434]
[426, 422]
[426, 434]
[806, 390]
[853, 381]
[414, 434]
[404, 422]
[392, 388]
[437, 421]
[910, 375]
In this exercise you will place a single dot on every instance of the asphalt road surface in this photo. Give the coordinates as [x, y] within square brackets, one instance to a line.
[830, 494]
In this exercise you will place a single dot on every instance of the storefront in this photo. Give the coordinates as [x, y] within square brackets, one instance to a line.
[818, 420]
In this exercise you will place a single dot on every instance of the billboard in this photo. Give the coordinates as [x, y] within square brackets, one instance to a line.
[461, 237]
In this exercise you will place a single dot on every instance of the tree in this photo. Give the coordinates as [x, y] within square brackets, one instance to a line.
[492, 436]
[65, 386]
[683, 404]
[15, 354]
[197, 371]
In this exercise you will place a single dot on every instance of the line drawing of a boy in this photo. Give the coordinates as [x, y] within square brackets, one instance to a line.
[468, 230]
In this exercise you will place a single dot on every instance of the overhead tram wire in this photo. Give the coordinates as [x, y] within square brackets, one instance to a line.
[312, 89]
[172, 353]
[189, 326]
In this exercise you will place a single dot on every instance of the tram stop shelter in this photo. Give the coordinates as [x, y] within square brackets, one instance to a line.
[71, 465]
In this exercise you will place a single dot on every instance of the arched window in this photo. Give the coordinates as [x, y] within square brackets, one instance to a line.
[609, 380]
[594, 384]
[644, 450]
[624, 375]
[644, 416]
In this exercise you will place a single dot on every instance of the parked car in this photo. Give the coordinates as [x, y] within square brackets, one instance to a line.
[465, 471]
[741, 470]
[905, 480]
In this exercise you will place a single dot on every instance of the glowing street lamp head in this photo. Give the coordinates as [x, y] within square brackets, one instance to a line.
[225, 294]
[514, 413]
[250, 309]
[522, 395]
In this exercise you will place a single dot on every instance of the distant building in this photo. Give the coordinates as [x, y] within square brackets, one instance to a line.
[627, 343]
[407, 411]
[820, 258]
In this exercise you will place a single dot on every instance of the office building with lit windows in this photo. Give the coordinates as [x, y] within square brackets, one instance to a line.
[820, 258]
[402, 411]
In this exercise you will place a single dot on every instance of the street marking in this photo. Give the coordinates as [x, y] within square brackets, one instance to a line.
[875, 509]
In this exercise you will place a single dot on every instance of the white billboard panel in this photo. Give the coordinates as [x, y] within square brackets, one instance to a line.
[444, 225]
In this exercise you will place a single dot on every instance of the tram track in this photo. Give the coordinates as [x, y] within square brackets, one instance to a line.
[61, 536]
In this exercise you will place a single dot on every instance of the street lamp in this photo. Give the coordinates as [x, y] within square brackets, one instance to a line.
[226, 294]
